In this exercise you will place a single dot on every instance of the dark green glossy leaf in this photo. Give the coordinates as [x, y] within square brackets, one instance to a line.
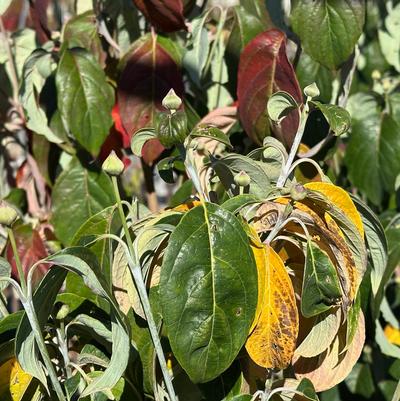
[238, 202]
[338, 118]
[214, 133]
[321, 287]
[80, 193]
[373, 153]
[309, 71]
[328, 29]
[85, 98]
[10, 322]
[182, 194]
[207, 319]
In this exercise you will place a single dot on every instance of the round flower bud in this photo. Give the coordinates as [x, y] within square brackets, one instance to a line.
[376, 75]
[242, 179]
[113, 164]
[312, 90]
[172, 101]
[298, 192]
[8, 215]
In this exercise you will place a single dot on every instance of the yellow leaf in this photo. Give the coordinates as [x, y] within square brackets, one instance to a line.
[392, 334]
[272, 342]
[341, 199]
[184, 207]
[259, 256]
[13, 381]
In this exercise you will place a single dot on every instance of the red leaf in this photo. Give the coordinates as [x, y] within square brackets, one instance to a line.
[38, 11]
[12, 15]
[149, 73]
[31, 248]
[263, 70]
[119, 128]
[166, 15]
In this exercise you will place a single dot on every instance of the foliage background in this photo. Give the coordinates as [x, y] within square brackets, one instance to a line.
[83, 76]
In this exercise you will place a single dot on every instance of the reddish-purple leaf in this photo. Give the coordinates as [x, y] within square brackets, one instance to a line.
[263, 70]
[38, 11]
[31, 248]
[166, 15]
[149, 72]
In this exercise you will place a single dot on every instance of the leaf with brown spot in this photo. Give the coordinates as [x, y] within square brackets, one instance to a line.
[331, 367]
[259, 256]
[273, 340]
[14, 382]
[341, 199]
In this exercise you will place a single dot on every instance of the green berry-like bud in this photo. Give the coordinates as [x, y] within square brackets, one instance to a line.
[172, 101]
[63, 312]
[312, 90]
[242, 179]
[113, 165]
[8, 215]
[298, 192]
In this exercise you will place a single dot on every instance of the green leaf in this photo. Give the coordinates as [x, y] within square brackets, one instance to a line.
[228, 166]
[37, 68]
[78, 193]
[5, 271]
[203, 131]
[82, 31]
[328, 29]
[74, 259]
[279, 105]
[23, 44]
[85, 98]
[377, 248]
[309, 71]
[338, 118]
[165, 168]
[373, 153]
[321, 287]
[43, 300]
[206, 318]
[144, 343]
[321, 335]
[92, 326]
[389, 39]
[238, 202]
[140, 138]
[194, 60]
[104, 222]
